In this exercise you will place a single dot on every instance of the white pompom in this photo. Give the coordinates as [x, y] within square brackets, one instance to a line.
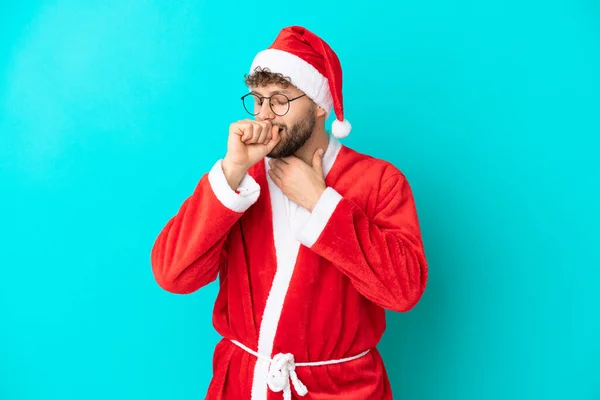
[341, 129]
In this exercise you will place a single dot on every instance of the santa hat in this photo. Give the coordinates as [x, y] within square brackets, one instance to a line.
[312, 67]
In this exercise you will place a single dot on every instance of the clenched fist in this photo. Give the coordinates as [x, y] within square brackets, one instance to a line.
[249, 142]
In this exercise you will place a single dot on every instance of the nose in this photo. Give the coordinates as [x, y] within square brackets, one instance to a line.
[265, 112]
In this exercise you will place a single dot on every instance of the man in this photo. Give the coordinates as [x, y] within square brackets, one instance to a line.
[310, 248]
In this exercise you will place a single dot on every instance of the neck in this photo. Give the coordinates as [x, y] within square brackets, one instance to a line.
[319, 139]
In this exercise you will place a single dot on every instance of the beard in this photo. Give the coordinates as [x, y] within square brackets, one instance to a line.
[295, 137]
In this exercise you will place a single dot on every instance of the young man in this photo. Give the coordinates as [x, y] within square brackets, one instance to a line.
[310, 248]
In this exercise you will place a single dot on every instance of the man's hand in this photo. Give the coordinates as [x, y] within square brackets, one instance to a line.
[250, 141]
[302, 183]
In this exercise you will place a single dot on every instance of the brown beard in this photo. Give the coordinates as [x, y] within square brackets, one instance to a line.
[295, 137]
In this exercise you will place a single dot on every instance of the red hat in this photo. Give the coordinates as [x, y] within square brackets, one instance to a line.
[312, 66]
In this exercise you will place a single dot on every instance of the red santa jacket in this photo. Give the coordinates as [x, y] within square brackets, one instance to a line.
[312, 285]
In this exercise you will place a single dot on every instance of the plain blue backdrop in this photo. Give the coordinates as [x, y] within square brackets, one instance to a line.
[111, 111]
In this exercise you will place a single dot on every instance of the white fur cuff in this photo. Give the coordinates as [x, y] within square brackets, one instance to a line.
[248, 188]
[319, 217]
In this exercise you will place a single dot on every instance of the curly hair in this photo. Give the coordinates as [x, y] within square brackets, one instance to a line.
[264, 77]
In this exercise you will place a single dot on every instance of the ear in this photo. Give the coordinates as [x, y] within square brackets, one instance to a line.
[320, 112]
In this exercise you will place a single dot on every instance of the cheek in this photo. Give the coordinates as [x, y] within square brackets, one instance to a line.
[283, 121]
[292, 119]
[297, 116]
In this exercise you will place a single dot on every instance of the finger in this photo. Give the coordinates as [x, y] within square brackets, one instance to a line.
[317, 160]
[274, 175]
[257, 129]
[269, 132]
[240, 130]
[265, 130]
[248, 132]
[274, 138]
[280, 167]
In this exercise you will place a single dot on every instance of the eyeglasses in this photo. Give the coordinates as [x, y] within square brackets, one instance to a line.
[279, 103]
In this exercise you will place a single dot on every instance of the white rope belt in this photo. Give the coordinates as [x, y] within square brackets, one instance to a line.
[282, 369]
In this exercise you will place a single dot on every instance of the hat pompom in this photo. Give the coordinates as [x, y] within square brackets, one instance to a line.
[341, 129]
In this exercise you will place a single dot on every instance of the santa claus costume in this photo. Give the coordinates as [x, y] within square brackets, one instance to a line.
[302, 295]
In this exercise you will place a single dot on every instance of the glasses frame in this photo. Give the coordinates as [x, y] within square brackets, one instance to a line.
[262, 98]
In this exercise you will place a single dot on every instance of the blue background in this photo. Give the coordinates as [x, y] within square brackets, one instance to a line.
[111, 111]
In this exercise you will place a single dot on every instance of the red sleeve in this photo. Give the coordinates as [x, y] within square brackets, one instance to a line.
[383, 256]
[191, 247]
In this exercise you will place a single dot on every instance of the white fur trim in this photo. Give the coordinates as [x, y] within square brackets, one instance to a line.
[249, 189]
[286, 215]
[341, 129]
[302, 74]
[319, 217]
[286, 249]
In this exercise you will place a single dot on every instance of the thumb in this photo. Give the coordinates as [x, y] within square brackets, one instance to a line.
[317, 161]
[274, 138]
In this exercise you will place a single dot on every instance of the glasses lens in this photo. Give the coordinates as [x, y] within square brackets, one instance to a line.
[252, 104]
[279, 104]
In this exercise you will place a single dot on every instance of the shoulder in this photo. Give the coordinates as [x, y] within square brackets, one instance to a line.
[376, 184]
[370, 170]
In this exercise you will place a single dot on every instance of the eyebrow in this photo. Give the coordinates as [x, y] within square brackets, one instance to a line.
[272, 93]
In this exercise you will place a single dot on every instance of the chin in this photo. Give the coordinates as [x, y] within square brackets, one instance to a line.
[276, 152]
[282, 152]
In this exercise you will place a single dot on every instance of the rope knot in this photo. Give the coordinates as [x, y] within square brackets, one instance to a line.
[282, 369]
